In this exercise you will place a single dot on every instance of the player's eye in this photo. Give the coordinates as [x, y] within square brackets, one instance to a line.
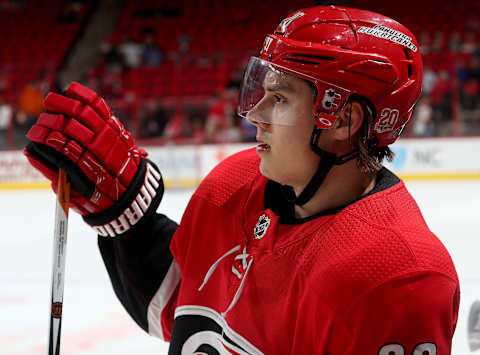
[279, 99]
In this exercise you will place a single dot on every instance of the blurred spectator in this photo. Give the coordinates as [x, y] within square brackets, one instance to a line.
[423, 121]
[424, 42]
[176, 127]
[184, 43]
[198, 129]
[153, 120]
[30, 105]
[4, 82]
[455, 42]
[111, 55]
[429, 79]
[469, 44]
[249, 131]
[152, 55]
[131, 52]
[183, 54]
[469, 95]
[5, 121]
[470, 88]
[438, 42]
[442, 104]
[462, 71]
[73, 12]
[111, 83]
[221, 126]
[474, 72]
[30, 102]
[11, 4]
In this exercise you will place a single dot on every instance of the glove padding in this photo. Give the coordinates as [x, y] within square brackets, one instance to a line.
[111, 181]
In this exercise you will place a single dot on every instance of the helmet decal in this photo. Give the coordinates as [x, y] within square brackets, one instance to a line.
[287, 21]
[266, 43]
[330, 100]
[388, 120]
[389, 34]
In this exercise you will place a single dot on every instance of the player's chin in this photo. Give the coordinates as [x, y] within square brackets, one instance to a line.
[268, 170]
[264, 169]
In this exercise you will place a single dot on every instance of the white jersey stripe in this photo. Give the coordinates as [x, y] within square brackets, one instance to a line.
[160, 300]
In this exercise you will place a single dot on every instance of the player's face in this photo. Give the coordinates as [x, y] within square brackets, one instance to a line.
[284, 150]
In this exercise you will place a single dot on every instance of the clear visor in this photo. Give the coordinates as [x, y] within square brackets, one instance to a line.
[267, 90]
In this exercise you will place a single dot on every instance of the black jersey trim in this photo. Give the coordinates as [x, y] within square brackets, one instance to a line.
[276, 198]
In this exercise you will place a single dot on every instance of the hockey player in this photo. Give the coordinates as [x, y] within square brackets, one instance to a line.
[306, 245]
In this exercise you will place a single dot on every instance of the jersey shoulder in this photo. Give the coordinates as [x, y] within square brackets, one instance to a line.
[230, 176]
[376, 240]
[395, 211]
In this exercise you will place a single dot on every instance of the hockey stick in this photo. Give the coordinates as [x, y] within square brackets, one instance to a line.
[474, 326]
[58, 269]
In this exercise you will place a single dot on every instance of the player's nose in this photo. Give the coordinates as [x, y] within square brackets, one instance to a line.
[258, 118]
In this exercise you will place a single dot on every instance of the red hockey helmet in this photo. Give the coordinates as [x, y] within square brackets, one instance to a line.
[343, 52]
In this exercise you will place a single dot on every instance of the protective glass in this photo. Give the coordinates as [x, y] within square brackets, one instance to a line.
[260, 102]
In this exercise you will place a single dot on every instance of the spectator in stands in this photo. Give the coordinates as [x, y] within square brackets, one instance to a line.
[198, 129]
[249, 131]
[469, 44]
[153, 120]
[424, 42]
[110, 55]
[462, 71]
[423, 121]
[30, 105]
[222, 123]
[474, 72]
[438, 42]
[111, 83]
[30, 102]
[73, 12]
[182, 55]
[442, 104]
[152, 55]
[4, 82]
[470, 88]
[5, 121]
[175, 127]
[429, 79]
[455, 42]
[131, 52]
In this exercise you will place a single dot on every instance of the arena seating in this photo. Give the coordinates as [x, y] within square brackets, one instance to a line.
[35, 38]
[222, 33]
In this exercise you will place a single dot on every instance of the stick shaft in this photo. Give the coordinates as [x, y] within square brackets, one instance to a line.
[58, 268]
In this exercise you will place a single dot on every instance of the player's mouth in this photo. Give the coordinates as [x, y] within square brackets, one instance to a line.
[262, 146]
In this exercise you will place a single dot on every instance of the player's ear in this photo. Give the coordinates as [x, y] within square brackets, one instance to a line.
[349, 122]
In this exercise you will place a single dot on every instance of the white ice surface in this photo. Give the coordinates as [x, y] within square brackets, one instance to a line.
[95, 323]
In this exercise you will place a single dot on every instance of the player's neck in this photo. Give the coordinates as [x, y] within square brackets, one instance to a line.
[342, 185]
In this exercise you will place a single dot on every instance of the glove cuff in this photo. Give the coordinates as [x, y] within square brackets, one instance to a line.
[139, 201]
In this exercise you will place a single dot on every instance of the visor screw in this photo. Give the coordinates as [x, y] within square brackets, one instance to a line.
[270, 56]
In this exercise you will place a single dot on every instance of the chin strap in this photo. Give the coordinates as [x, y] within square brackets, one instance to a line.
[327, 161]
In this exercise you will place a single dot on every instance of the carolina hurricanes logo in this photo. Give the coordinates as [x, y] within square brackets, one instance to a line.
[205, 332]
[261, 226]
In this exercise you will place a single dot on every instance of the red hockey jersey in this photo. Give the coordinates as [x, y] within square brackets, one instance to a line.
[369, 278]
